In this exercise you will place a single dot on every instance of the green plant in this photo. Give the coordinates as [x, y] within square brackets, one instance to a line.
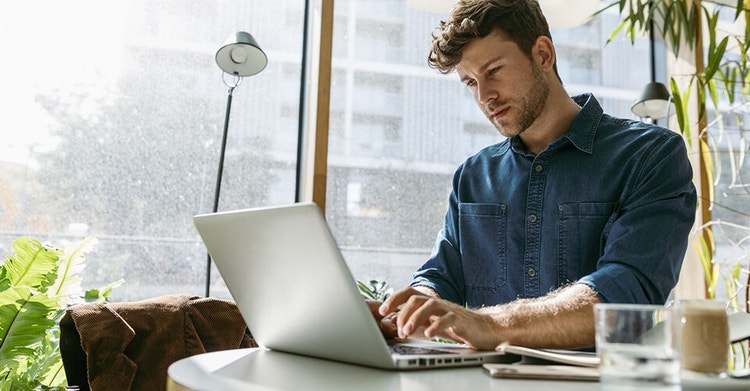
[374, 289]
[37, 285]
[725, 71]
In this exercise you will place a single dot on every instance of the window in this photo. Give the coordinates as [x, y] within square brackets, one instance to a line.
[112, 125]
[402, 128]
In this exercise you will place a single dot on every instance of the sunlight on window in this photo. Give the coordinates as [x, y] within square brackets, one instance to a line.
[112, 113]
[54, 49]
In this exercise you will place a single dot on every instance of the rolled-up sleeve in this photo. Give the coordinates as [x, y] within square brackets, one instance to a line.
[648, 235]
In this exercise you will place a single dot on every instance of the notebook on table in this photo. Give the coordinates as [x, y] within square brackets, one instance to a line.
[284, 270]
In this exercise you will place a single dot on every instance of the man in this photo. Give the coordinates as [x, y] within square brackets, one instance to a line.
[574, 208]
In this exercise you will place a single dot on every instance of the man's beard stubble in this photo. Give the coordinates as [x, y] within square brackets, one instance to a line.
[532, 105]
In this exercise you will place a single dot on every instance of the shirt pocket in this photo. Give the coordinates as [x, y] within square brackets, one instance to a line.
[483, 247]
[581, 228]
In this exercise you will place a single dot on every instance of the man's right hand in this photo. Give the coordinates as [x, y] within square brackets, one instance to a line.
[419, 312]
[387, 323]
[390, 309]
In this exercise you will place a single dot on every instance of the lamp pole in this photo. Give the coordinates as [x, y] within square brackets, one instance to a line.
[239, 57]
[220, 172]
[652, 48]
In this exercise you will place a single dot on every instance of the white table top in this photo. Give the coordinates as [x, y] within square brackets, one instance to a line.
[260, 369]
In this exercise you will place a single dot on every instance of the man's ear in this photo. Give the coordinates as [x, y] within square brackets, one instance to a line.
[543, 53]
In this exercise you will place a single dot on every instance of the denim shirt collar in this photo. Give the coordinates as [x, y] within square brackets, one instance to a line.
[583, 129]
[581, 132]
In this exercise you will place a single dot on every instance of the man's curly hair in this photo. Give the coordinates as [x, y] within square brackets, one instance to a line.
[522, 20]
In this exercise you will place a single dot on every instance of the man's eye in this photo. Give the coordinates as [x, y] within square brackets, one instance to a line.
[493, 71]
[470, 83]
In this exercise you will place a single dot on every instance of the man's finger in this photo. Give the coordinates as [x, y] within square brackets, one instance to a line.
[440, 324]
[392, 302]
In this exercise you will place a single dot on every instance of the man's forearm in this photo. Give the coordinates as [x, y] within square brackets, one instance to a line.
[564, 319]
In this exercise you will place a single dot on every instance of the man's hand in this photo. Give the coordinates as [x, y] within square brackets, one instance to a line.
[417, 312]
[387, 326]
[564, 319]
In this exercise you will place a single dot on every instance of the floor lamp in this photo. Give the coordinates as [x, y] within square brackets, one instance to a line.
[655, 101]
[241, 56]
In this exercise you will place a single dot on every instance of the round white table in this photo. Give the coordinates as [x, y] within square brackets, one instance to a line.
[260, 369]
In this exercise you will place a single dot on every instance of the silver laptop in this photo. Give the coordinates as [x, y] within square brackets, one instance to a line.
[284, 270]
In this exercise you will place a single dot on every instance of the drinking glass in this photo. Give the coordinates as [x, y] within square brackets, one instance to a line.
[638, 346]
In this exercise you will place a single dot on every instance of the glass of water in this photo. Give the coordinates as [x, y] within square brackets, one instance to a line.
[638, 346]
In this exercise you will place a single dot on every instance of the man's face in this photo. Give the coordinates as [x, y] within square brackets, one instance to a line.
[506, 84]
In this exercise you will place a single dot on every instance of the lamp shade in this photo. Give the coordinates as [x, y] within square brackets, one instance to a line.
[241, 55]
[434, 6]
[655, 102]
[559, 13]
[566, 14]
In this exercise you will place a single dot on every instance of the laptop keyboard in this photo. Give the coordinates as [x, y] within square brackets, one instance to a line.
[407, 349]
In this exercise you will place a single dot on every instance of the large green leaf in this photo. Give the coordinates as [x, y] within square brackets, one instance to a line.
[31, 271]
[28, 330]
[33, 266]
[11, 301]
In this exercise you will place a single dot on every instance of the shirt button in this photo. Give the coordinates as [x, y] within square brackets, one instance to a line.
[538, 168]
[561, 207]
[532, 218]
[531, 272]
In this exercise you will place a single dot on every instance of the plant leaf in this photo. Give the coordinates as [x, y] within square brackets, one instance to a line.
[32, 266]
[68, 283]
[739, 8]
[680, 110]
[102, 294]
[714, 58]
[27, 329]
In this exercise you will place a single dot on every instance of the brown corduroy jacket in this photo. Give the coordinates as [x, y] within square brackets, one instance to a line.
[130, 345]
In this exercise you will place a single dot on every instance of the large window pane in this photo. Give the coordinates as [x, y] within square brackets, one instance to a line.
[399, 128]
[112, 115]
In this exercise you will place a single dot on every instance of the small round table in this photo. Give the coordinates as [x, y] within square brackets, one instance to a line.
[261, 369]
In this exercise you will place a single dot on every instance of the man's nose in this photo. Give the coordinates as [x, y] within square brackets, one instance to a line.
[486, 93]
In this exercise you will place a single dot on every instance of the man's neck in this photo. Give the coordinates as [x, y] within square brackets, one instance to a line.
[554, 121]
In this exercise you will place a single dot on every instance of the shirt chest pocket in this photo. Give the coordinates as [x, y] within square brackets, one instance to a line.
[483, 246]
[581, 228]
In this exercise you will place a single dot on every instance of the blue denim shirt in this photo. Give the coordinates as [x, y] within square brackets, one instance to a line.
[609, 204]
